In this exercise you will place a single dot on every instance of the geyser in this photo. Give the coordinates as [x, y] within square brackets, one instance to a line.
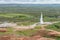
[41, 19]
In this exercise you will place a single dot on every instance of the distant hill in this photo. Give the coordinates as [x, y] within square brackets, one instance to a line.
[29, 5]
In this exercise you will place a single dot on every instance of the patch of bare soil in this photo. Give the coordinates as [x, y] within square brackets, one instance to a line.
[12, 37]
[39, 35]
[47, 32]
[3, 30]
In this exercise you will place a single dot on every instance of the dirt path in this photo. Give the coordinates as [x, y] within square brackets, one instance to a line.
[31, 26]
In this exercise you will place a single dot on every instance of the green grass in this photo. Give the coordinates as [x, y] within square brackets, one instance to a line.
[1, 33]
[11, 17]
[9, 30]
[56, 38]
[26, 32]
[21, 33]
[38, 27]
[27, 23]
[55, 26]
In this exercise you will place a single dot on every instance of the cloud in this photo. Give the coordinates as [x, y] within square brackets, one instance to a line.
[30, 1]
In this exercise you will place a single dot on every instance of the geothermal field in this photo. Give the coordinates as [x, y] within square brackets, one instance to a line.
[29, 22]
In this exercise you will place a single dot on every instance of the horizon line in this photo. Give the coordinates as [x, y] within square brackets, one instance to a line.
[29, 2]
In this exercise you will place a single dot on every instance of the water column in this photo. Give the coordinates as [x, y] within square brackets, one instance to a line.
[41, 19]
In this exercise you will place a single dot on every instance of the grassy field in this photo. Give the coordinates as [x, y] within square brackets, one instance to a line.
[11, 17]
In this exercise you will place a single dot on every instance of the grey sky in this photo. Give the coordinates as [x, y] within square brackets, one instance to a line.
[30, 1]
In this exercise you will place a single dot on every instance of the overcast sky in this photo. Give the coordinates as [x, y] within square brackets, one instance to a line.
[30, 1]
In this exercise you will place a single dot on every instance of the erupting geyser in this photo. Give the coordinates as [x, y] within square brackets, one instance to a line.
[41, 19]
[42, 22]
